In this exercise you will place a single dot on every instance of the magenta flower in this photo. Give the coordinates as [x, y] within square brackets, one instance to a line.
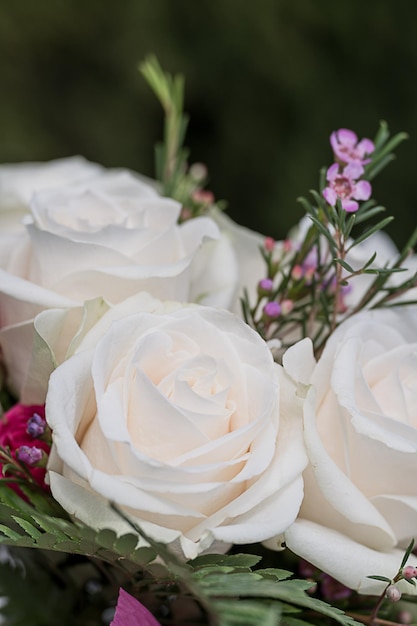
[130, 612]
[345, 186]
[346, 147]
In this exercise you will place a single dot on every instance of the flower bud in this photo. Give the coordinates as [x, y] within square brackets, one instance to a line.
[297, 272]
[409, 572]
[269, 244]
[203, 196]
[287, 306]
[36, 426]
[272, 310]
[393, 594]
[265, 286]
[30, 455]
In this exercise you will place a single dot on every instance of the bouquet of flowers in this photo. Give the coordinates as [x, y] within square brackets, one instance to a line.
[202, 425]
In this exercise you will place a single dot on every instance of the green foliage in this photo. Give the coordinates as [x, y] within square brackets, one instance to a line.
[23, 526]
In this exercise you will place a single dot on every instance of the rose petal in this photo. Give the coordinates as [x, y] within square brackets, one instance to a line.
[347, 561]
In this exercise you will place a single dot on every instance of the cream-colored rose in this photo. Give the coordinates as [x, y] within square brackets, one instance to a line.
[360, 423]
[179, 415]
[111, 236]
[251, 267]
[18, 183]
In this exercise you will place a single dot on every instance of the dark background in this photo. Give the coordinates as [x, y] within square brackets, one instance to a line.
[266, 83]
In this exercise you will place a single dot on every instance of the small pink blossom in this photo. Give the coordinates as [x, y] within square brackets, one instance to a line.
[409, 572]
[203, 196]
[272, 310]
[346, 147]
[265, 286]
[130, 612]
[269, 244]
[345, 186]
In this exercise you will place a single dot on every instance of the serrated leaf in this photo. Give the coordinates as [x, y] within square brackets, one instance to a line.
[277, 574]
[125, 544]
[8, 534]
[47, 541]
[212, 570]
[288, 592]
[106, 538]
[241, 560]
[29, 528]
[206, 559]
[48, 525]
[247, 613]
[144, 555]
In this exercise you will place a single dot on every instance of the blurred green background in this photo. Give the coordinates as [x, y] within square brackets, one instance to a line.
[266, 83]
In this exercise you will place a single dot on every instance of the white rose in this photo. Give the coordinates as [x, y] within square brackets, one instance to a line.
[179, 415]
[360, 421]
[19, 181]
[111, 235]
[246, 245]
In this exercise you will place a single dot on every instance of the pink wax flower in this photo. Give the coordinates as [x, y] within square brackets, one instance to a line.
[15, 436]
[345, 186]
[130, 612]
[346, 147]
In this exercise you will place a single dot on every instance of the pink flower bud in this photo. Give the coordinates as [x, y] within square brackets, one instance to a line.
[265, 286]
[269, 244]
[272, 310]
[409, 572]
[393, 594]
[297, 272]
[287, 306]
[203, 196]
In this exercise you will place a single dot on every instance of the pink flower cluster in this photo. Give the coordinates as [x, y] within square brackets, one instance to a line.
[343, 176]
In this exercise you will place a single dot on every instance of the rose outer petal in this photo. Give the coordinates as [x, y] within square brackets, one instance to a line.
[346, 560]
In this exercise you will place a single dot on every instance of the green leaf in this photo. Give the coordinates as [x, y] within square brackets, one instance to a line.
[345, 265]
[370, 231]
[407, 553]
[126, 544]
[31, 530]
[276, 574]
[106, 538]
[323, 230]
[9, 533]
[247, 613]
[383, 579]
[382, 135]
[366, 215]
